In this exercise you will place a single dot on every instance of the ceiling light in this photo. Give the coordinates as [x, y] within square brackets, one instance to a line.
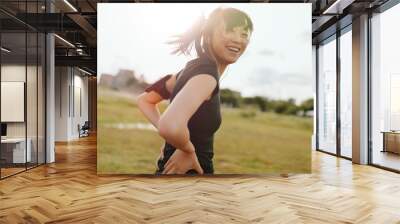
[64, 40]
[70, 5]
[5, 50]
[338, 6]
[84, 71]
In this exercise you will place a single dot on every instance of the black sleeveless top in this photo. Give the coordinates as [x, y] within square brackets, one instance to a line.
[205, 121]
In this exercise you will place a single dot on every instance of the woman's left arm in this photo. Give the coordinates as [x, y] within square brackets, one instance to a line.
[147, 102]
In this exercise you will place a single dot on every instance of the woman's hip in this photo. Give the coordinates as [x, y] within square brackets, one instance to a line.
[205, 160]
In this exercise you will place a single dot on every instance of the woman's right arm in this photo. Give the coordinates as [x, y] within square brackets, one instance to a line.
[173, 124]
[147, 102]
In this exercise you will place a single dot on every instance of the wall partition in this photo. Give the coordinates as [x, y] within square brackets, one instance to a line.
[22, 88]
[15, 152]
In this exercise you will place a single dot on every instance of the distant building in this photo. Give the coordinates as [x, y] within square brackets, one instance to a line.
[106, 80]
[125, 80]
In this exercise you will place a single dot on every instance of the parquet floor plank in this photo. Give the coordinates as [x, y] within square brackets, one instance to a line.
[70, 191]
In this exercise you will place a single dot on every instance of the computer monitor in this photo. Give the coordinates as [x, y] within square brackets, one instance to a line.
[3, 129]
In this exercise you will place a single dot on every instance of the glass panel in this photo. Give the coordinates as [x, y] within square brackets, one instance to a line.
[7, 23]
[41, 6]
[23, 90]
[327, 97]
[31, 98]
[346, 94]
[14, 5]
[32, 6]
[31, 85]
[13, 86]
[314, 71]
[386, 89]
[41, 98]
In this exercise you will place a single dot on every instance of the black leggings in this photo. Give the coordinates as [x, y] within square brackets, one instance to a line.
[205, 160]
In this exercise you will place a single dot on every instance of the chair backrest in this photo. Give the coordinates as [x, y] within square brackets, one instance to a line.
[86, 124]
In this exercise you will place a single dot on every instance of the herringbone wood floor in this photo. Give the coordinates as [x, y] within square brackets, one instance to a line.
[69, 191]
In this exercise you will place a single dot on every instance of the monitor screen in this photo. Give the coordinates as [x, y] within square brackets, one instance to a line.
[3, 129]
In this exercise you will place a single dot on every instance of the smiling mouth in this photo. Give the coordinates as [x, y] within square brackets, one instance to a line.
[234, 49]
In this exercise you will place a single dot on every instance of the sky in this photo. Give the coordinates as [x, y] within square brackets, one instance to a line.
[276, 64]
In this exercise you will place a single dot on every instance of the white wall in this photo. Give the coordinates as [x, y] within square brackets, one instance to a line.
[14, 73]
[62, 81]
[71, 87]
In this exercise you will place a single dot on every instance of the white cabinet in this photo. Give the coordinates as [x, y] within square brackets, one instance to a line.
[18, 149]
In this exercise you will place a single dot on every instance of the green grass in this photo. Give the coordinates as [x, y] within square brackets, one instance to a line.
[248, 141]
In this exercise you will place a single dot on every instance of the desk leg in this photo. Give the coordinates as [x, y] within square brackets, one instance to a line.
[384, 142]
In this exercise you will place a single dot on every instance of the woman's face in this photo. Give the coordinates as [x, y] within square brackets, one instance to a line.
[228, 46]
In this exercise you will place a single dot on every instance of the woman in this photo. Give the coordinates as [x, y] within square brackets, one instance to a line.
[193, 115]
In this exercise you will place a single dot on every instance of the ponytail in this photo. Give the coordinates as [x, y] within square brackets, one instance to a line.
[184, 42]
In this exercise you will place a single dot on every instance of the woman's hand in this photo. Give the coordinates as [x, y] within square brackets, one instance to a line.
[180, 162]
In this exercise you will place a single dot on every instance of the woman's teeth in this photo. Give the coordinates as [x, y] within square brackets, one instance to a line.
[234, 49]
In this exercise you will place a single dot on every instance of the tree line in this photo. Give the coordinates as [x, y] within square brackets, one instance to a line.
[234, 99]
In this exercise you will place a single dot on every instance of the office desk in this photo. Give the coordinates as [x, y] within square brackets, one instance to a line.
[16, 148]
[391, 141]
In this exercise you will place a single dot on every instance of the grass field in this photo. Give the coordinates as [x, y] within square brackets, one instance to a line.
[248, 141]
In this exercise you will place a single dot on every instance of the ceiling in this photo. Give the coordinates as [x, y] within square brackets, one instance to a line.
[75, 22]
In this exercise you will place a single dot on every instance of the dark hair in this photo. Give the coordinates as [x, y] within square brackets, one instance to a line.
[202, 29]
